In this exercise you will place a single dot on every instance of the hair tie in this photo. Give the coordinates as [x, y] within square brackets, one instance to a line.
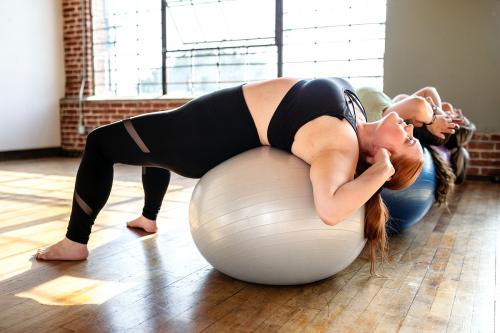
[434, 111]
[432, 121]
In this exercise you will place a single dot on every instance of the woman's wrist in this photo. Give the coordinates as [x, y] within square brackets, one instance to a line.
[389, 170]
[432, 121]
[434, 112]
[384, 168]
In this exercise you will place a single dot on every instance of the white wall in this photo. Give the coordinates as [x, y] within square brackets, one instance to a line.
[453, 45]
[31, 73]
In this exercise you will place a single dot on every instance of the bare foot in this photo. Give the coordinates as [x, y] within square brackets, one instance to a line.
[63, 250]
[143, 223]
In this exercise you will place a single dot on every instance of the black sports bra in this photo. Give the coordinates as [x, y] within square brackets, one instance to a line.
[309, 99]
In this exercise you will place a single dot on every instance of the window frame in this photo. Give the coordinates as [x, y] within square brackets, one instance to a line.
[278, 43]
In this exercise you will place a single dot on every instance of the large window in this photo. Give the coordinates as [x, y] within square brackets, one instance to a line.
[190, 47]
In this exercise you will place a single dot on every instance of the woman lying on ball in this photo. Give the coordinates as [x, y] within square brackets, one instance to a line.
[320, 121]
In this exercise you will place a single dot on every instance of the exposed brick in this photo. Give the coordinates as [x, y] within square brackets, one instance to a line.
[480, 136]
[176, 104]
[495, 163]
[101, 106]
[490, 154]
[489, 171]
[474, 171]
[72, 37]
[474, 145]
[130, 105]
[98, 113]
[474, 154]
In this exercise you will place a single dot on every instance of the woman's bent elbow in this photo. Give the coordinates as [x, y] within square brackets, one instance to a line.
[328, 216]
[330, 221]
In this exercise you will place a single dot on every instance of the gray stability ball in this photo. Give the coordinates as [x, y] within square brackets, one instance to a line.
[253, 218]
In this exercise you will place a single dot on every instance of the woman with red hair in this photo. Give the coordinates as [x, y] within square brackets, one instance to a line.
[320, 121]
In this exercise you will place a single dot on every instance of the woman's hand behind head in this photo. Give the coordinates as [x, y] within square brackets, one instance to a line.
[382, 157]
[442, 124]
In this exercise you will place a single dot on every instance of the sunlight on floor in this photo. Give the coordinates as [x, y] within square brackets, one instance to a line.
[70, 290]
[35, 212]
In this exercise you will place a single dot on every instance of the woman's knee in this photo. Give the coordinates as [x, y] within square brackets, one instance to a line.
[94, 138]
[116, 143]
[106, 133]
[102, 138]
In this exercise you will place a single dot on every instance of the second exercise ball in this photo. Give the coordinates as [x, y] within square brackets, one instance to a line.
[253, 218]
[407, 207]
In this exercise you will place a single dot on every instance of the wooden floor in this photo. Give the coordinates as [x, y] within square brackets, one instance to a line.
[442, 275]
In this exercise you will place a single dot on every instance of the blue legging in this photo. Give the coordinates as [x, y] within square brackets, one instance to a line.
[189, 141]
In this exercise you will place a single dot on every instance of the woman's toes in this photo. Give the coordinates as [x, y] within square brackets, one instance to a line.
[144, 224]
[40, 254]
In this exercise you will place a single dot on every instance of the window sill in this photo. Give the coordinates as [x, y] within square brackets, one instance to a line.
[165, 98]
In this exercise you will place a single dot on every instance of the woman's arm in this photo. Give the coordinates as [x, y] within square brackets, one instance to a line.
[416, 100]
[429, 92]
[419, 111]
[336, 194]
[400, 97]
[414, 108]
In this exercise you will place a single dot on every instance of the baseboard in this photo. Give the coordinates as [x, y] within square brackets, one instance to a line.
[493, 179]
[71, 153]
[30, 153]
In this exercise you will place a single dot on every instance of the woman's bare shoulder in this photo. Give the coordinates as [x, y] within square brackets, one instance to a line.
[325, 134]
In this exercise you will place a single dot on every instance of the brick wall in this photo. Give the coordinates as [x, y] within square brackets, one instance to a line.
[484, 151]
[72, 35]
[98, 113]
[484, 148]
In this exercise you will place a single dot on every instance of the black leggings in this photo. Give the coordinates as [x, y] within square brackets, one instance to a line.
[189, 141]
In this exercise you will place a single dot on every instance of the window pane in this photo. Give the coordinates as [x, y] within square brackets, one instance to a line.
[199, 71]
[127, 47]
[217, 44]
[325, 38]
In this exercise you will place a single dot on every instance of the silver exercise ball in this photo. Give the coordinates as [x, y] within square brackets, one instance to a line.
[253, 218]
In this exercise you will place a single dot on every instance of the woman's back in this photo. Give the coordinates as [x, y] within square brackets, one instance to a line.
[263, 98]
[317, 135]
